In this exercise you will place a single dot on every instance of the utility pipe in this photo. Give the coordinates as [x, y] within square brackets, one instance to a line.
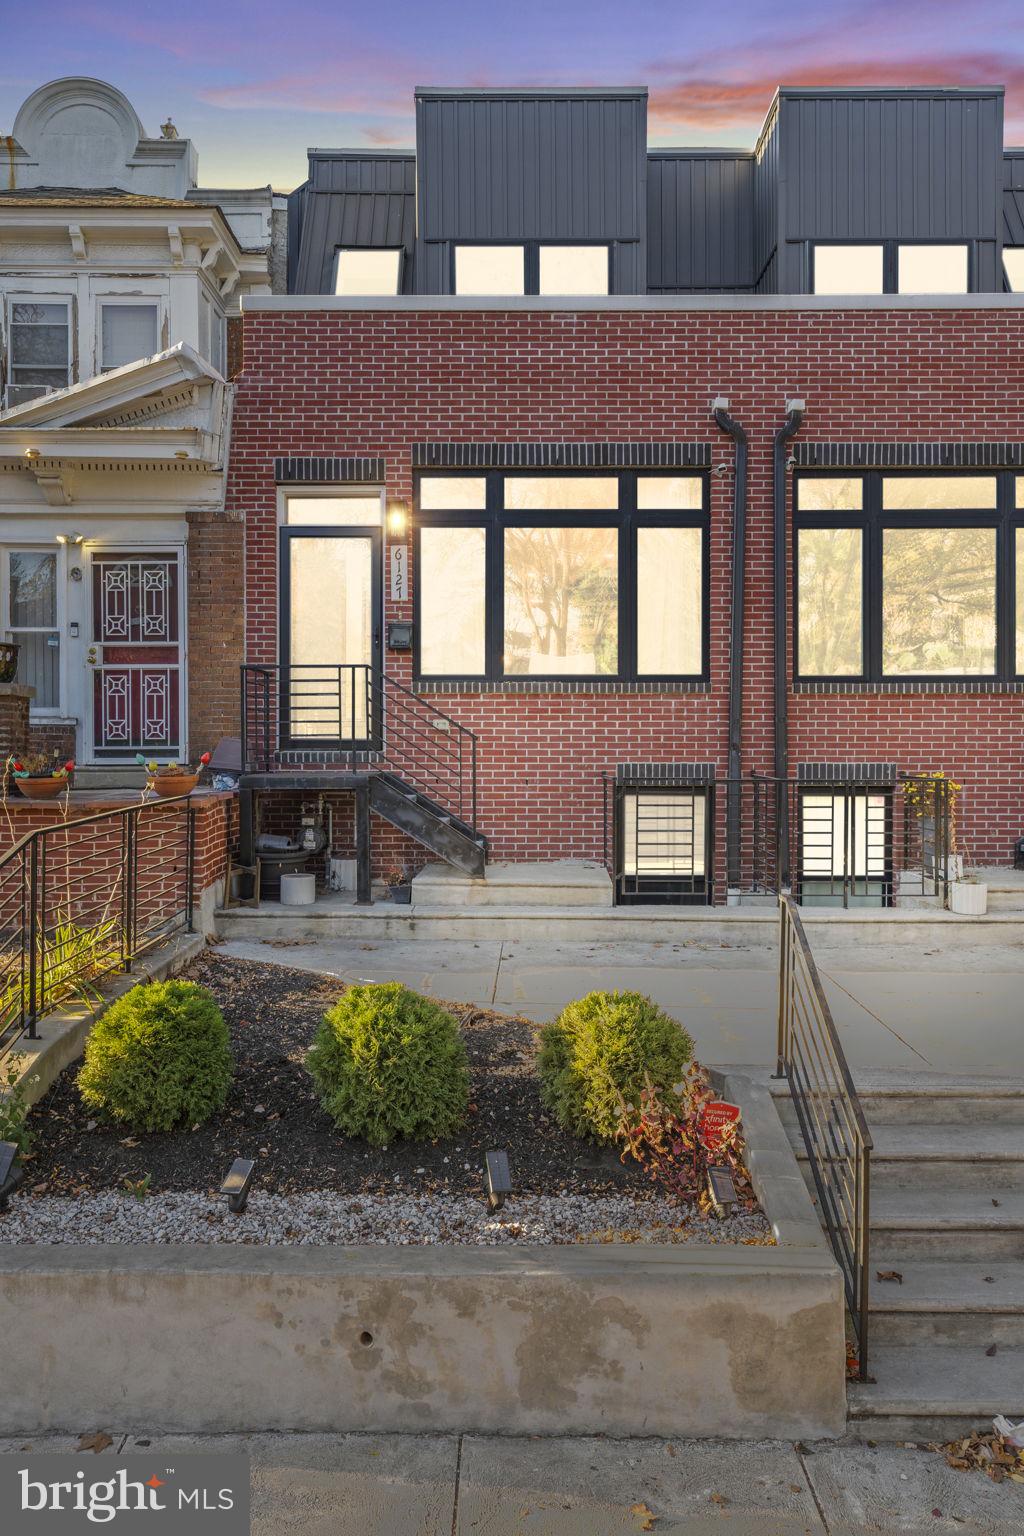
[733, 824]
[789, 429]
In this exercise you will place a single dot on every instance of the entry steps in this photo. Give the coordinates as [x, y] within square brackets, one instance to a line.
[561, 883]
[947, 1215]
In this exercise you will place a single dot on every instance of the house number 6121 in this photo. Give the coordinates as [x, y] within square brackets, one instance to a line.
[399, 573]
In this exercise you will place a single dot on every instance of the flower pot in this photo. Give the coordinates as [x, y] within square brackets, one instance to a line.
[42, 787]
[968, 898]
[167, 785]
[8, 660]
[401, 893]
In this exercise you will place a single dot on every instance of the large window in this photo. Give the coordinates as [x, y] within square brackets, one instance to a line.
[39, 348]
[32, 622]
[900, 576]
[888, 266]
[561, 576]
[127, 333]
[1013, 266]
[368, 272]
[532, 267]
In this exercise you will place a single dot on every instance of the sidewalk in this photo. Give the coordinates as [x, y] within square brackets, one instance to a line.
[895, 1007]
[473, 1485]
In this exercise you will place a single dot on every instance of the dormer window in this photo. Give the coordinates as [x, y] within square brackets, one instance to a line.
[849, 269]
[573, 269]
[368, 273]
[932, 268]
[128, 332]
[1013, 266]
[888, 266]
[490, 269]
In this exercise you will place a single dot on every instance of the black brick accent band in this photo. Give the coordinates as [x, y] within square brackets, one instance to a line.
[561, 455]
[847, 773]
[907, 455]
[328, 471]
[642, 775]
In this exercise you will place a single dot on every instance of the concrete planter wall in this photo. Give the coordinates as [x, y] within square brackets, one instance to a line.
[625, 1339]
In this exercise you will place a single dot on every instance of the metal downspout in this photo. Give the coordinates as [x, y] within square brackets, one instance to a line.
[733, 809]
[789, 429]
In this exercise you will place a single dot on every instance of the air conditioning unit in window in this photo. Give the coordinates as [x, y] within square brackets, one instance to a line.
[17, 394]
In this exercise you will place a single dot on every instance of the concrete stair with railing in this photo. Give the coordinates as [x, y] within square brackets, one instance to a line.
[947, 1217]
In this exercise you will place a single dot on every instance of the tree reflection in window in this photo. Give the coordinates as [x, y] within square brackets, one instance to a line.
[561, 601]
[939, 601]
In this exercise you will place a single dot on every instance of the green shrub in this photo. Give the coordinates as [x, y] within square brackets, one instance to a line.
[604, 1045]
[159, 1057]
[387, 1062]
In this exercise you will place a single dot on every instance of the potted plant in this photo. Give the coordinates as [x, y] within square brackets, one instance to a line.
[968, 895]
[170, 779]
[8, 660]
[399, 885]
[39, 777]
[921, 796]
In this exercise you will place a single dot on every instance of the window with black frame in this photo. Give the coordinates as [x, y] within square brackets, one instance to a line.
[557, 576]
[900, 576]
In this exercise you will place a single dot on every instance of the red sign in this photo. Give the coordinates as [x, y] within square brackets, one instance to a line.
[716, 1118]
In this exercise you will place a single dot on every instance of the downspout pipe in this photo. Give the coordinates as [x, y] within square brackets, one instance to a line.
[780, 573]
[733, 812]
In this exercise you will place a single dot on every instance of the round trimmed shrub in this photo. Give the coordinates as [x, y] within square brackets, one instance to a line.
[387, 1062]
[604, 1045]
[159, 1057]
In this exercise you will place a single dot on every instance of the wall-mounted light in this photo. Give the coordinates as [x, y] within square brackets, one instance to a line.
[70, 538]
[32, 453]
[398, 518]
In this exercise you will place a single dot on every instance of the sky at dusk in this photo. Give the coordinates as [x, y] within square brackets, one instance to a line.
[254, 82]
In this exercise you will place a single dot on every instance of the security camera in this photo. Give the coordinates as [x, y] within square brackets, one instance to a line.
[721, 469]
[791, 460]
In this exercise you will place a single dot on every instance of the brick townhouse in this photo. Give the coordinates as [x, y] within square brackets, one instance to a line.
[643, 506]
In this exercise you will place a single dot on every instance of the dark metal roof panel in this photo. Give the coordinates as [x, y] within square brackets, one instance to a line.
[700, 221]
[1013, 197]
[531, 165]
[354, 199]
[900, 165]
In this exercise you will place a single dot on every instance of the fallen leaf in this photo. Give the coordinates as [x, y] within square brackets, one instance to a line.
[719, 1498]
[991, 1349]
[889, 1274]
[96, 1442]
[646, 1516]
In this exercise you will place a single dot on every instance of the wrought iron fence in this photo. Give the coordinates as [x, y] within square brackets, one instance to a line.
[831, 1120]
[355, 717]
[83, 898]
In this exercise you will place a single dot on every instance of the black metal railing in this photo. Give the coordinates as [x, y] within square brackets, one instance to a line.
[826, 842]
[83, 898]
[829, 1114]
[356, 718]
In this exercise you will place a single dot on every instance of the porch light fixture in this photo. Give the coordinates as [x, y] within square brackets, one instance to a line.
[32, 453]
[721, 1189]
[499, 1179]
[398, 518]
[11, 1173]
[70, 538]
[236, 1184]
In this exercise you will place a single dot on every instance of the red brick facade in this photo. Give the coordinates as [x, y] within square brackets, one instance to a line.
[336, 382]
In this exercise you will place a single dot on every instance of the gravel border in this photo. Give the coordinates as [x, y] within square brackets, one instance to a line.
[321, 1219]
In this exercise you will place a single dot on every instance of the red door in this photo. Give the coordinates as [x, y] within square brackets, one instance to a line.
[136, 653]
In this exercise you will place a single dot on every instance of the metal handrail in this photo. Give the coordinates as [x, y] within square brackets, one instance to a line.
[401, 729]
[830, 1116]
[59, 882]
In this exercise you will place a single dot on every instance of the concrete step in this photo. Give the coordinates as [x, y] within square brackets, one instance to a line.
[561, 883]
[1005, 888]
[935, 1391]
[904, 1098]
[928, 1157]
[936, 1223]
[948, 1302]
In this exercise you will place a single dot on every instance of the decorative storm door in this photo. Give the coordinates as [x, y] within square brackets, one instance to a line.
[136, 654]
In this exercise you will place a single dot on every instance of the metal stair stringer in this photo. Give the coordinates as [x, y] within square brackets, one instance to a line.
[413, 812]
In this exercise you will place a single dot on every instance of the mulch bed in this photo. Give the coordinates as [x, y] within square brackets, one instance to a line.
[272, 1113]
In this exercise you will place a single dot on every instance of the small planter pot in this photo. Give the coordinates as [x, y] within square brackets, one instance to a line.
[968, 898]
[401, 893]
[43, 787]
[9, 660]
[167, 785]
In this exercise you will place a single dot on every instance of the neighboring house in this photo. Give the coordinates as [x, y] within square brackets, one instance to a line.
[120, 281]
[514, 337]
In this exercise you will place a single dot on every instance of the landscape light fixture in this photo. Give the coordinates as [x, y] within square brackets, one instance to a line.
[236, 1184]
[721, 1189]
[398, 518]
[11, 1173]
[499, 1179]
